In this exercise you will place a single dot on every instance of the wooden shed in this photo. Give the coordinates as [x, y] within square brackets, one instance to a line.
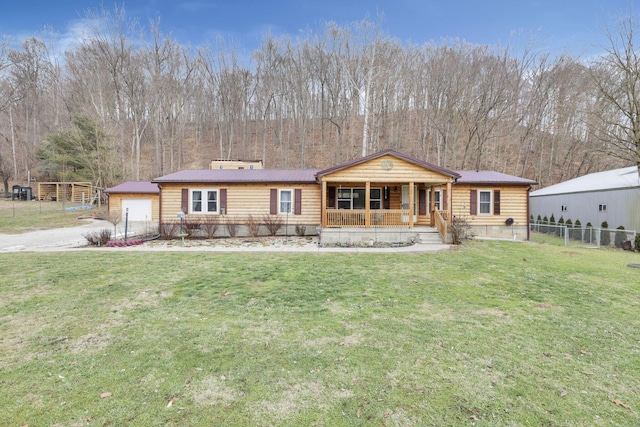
[74, 192]
[139, 199]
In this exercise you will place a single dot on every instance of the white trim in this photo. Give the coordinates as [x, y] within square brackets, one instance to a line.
[280, 201]
[481, 203]
[204, 202]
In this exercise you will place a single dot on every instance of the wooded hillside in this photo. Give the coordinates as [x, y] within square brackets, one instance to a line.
[132, 103]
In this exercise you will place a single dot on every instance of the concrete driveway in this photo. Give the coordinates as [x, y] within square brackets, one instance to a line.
[72, 238]
[60, 238]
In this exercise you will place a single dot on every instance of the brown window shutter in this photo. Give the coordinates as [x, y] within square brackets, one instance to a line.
[422, 202]
[444, 200]
[297, 207]
[273, 202]
[184, 201]
[496, 202]
[473, 203]
[331, 197]
[223, 201]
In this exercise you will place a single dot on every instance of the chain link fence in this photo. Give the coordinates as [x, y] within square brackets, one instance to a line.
[582, 236]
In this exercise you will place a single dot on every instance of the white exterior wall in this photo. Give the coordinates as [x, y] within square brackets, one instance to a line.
[623, 207]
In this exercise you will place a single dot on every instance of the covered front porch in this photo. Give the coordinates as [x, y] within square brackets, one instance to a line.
[385, 208]
[386, 190]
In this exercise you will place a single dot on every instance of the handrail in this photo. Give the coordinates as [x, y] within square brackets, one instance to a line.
[441, 224]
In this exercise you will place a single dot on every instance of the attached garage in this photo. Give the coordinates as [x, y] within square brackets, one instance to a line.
[138, 199]
[137, 209]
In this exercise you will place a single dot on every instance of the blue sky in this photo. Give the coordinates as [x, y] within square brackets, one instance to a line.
[573, 26]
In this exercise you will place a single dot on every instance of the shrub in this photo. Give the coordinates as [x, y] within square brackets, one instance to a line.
[560, 227]
[569, 225]
[231, 224]
[576, 233]
[190, 226]
[273, 223]
[589, 233]
[605, 236]
[300, 230]
[544, 228]
[636, 243]
[98, 238]
[253, 226]
[169, 230]
[459, 230]
[620, 237]
[210, 226]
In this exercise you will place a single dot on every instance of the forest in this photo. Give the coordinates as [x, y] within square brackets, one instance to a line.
[127, 102]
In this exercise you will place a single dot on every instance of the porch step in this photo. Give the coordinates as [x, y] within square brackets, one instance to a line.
[429, 236]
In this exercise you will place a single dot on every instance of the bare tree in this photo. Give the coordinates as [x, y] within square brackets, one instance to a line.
[616, 76]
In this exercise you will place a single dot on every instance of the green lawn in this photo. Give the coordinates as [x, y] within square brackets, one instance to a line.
[21, 216]
[492, 334]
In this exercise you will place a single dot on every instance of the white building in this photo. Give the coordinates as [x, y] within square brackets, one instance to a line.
[612, 196]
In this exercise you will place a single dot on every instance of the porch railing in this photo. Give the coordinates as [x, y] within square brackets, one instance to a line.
[380, 218]
[441, 222]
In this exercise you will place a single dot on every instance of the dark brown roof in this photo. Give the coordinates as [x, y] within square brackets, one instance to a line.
[393, 153]
[491, 177]
[140, 187]
[241, 176]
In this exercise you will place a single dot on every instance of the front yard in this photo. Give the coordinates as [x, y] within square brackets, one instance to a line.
[493, 333]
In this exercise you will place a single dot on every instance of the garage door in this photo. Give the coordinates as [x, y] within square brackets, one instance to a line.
[139, 209]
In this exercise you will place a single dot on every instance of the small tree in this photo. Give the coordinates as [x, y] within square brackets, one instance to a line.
[560, 227]
[577, 231]
[589, 233]
[605, 236]
[620, 237]
[569, 225]
[545, 227]
[115, 218]
[552, 224]
[636, 243]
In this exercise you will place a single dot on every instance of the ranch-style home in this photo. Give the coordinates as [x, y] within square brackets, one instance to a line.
[386, 196]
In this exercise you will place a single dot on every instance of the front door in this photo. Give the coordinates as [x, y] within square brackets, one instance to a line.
[405, 202]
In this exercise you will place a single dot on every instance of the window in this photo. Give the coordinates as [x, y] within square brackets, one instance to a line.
[204, 201]
[375, 198]
[286, 201]
[436, 200]
[602, 208]
[484, 202]
[354, 198]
